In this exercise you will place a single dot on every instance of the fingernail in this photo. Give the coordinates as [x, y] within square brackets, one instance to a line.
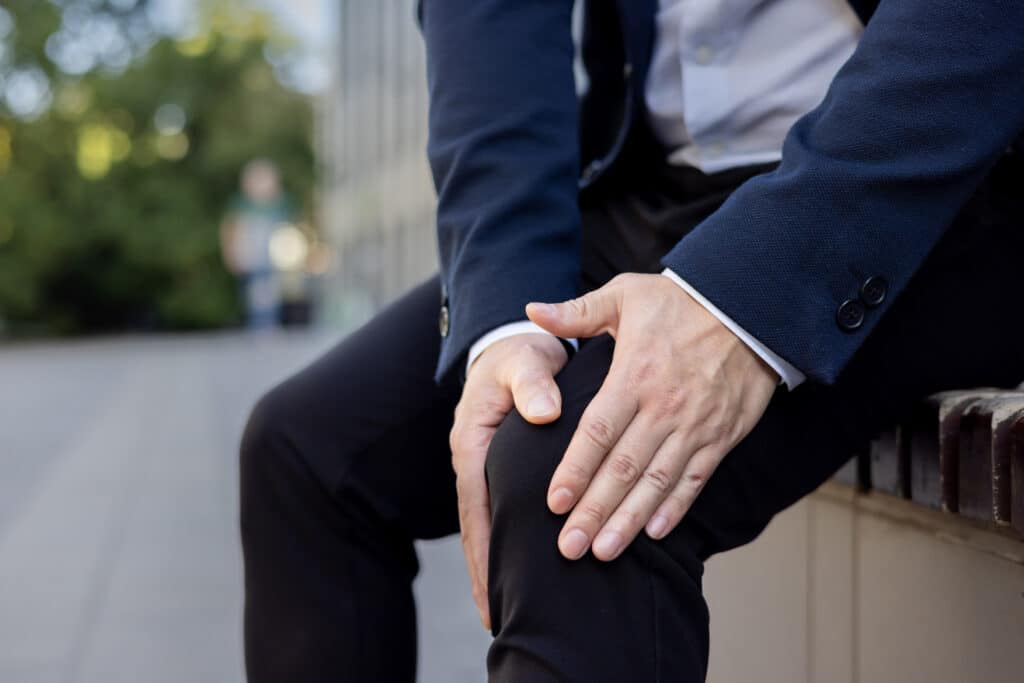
[608, 544]
[561, 499]
[544, 309]
[657, 527]
[574, 544]
[540, 405]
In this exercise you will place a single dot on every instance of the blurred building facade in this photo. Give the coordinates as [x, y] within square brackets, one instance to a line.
[378, 204]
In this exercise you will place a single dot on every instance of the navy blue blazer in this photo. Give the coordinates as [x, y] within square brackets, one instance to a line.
[806, 258]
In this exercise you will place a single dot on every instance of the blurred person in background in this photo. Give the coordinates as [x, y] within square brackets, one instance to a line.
[247, 233]
[770, 227]
[159, 105]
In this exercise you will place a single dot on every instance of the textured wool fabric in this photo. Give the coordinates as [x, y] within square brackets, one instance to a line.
[869, 180]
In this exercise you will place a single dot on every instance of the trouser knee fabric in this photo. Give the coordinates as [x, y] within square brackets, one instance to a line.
[346, 464]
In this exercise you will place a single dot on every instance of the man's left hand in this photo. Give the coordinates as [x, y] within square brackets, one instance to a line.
[682, 390]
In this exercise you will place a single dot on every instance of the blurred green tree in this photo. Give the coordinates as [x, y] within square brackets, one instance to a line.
[115, 173]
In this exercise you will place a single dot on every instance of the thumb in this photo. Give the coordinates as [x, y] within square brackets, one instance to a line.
[592, 314]
[534, 390]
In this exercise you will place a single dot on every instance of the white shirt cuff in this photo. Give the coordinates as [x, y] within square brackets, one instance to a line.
[508, 330]
[788, 374]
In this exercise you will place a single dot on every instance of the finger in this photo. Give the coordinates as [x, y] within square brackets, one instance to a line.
[698, 470]
[659, 478]
[592, 314]
[612, 482]
[599, 429]
[475, 526]
[469, 443]
[533, 386]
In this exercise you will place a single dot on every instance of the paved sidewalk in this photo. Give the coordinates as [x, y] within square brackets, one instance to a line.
[119, 557]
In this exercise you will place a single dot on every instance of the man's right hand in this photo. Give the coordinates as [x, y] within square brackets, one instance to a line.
[518, 372]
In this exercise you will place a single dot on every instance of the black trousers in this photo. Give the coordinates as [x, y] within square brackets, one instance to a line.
[347, 463]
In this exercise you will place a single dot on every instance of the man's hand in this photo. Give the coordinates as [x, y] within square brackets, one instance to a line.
[517, 371]
[681, 392]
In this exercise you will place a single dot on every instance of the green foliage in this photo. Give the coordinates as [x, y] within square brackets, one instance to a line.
[107, 223]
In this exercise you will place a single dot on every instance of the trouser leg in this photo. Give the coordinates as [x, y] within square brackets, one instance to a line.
[343, 466]
[642, 617]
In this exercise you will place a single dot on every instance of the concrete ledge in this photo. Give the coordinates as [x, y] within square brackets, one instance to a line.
[866, 587]
[981, 536]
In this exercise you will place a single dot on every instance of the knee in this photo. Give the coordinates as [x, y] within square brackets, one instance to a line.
[265, 428]
[265, 456]
[520, 461]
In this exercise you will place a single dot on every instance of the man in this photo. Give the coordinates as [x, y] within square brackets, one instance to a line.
[794, 192]
[245, 237]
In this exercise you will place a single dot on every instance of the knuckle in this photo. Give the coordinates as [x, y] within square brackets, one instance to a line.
[705, 435]
[658, 479]
[494, 406]
[623, 468]
[593, 511]
[677, 503]
[715, 435]
[695, 478]
[672, 401]
[575, 471]
[599, 431]
[626, 521]
[531, 377]
[736, 431]
[579, 306]
[642, 372]
[719, 423]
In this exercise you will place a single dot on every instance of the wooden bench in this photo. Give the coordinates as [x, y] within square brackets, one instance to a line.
[961, 452]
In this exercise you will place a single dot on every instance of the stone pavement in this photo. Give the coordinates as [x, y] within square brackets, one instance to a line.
[119, 554]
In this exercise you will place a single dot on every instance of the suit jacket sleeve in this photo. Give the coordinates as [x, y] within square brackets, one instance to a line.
[869, 180]
[503, 150]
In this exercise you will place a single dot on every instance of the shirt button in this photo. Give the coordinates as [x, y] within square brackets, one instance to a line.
[704, 54]
[873, 291]
[850, 315]
[442, 321]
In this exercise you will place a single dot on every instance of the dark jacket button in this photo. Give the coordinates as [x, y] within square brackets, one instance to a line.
[874, 291]
[591, 170]
[850, 315]
[442, 321]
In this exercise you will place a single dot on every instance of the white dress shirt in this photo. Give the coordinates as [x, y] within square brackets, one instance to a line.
[728, 78]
